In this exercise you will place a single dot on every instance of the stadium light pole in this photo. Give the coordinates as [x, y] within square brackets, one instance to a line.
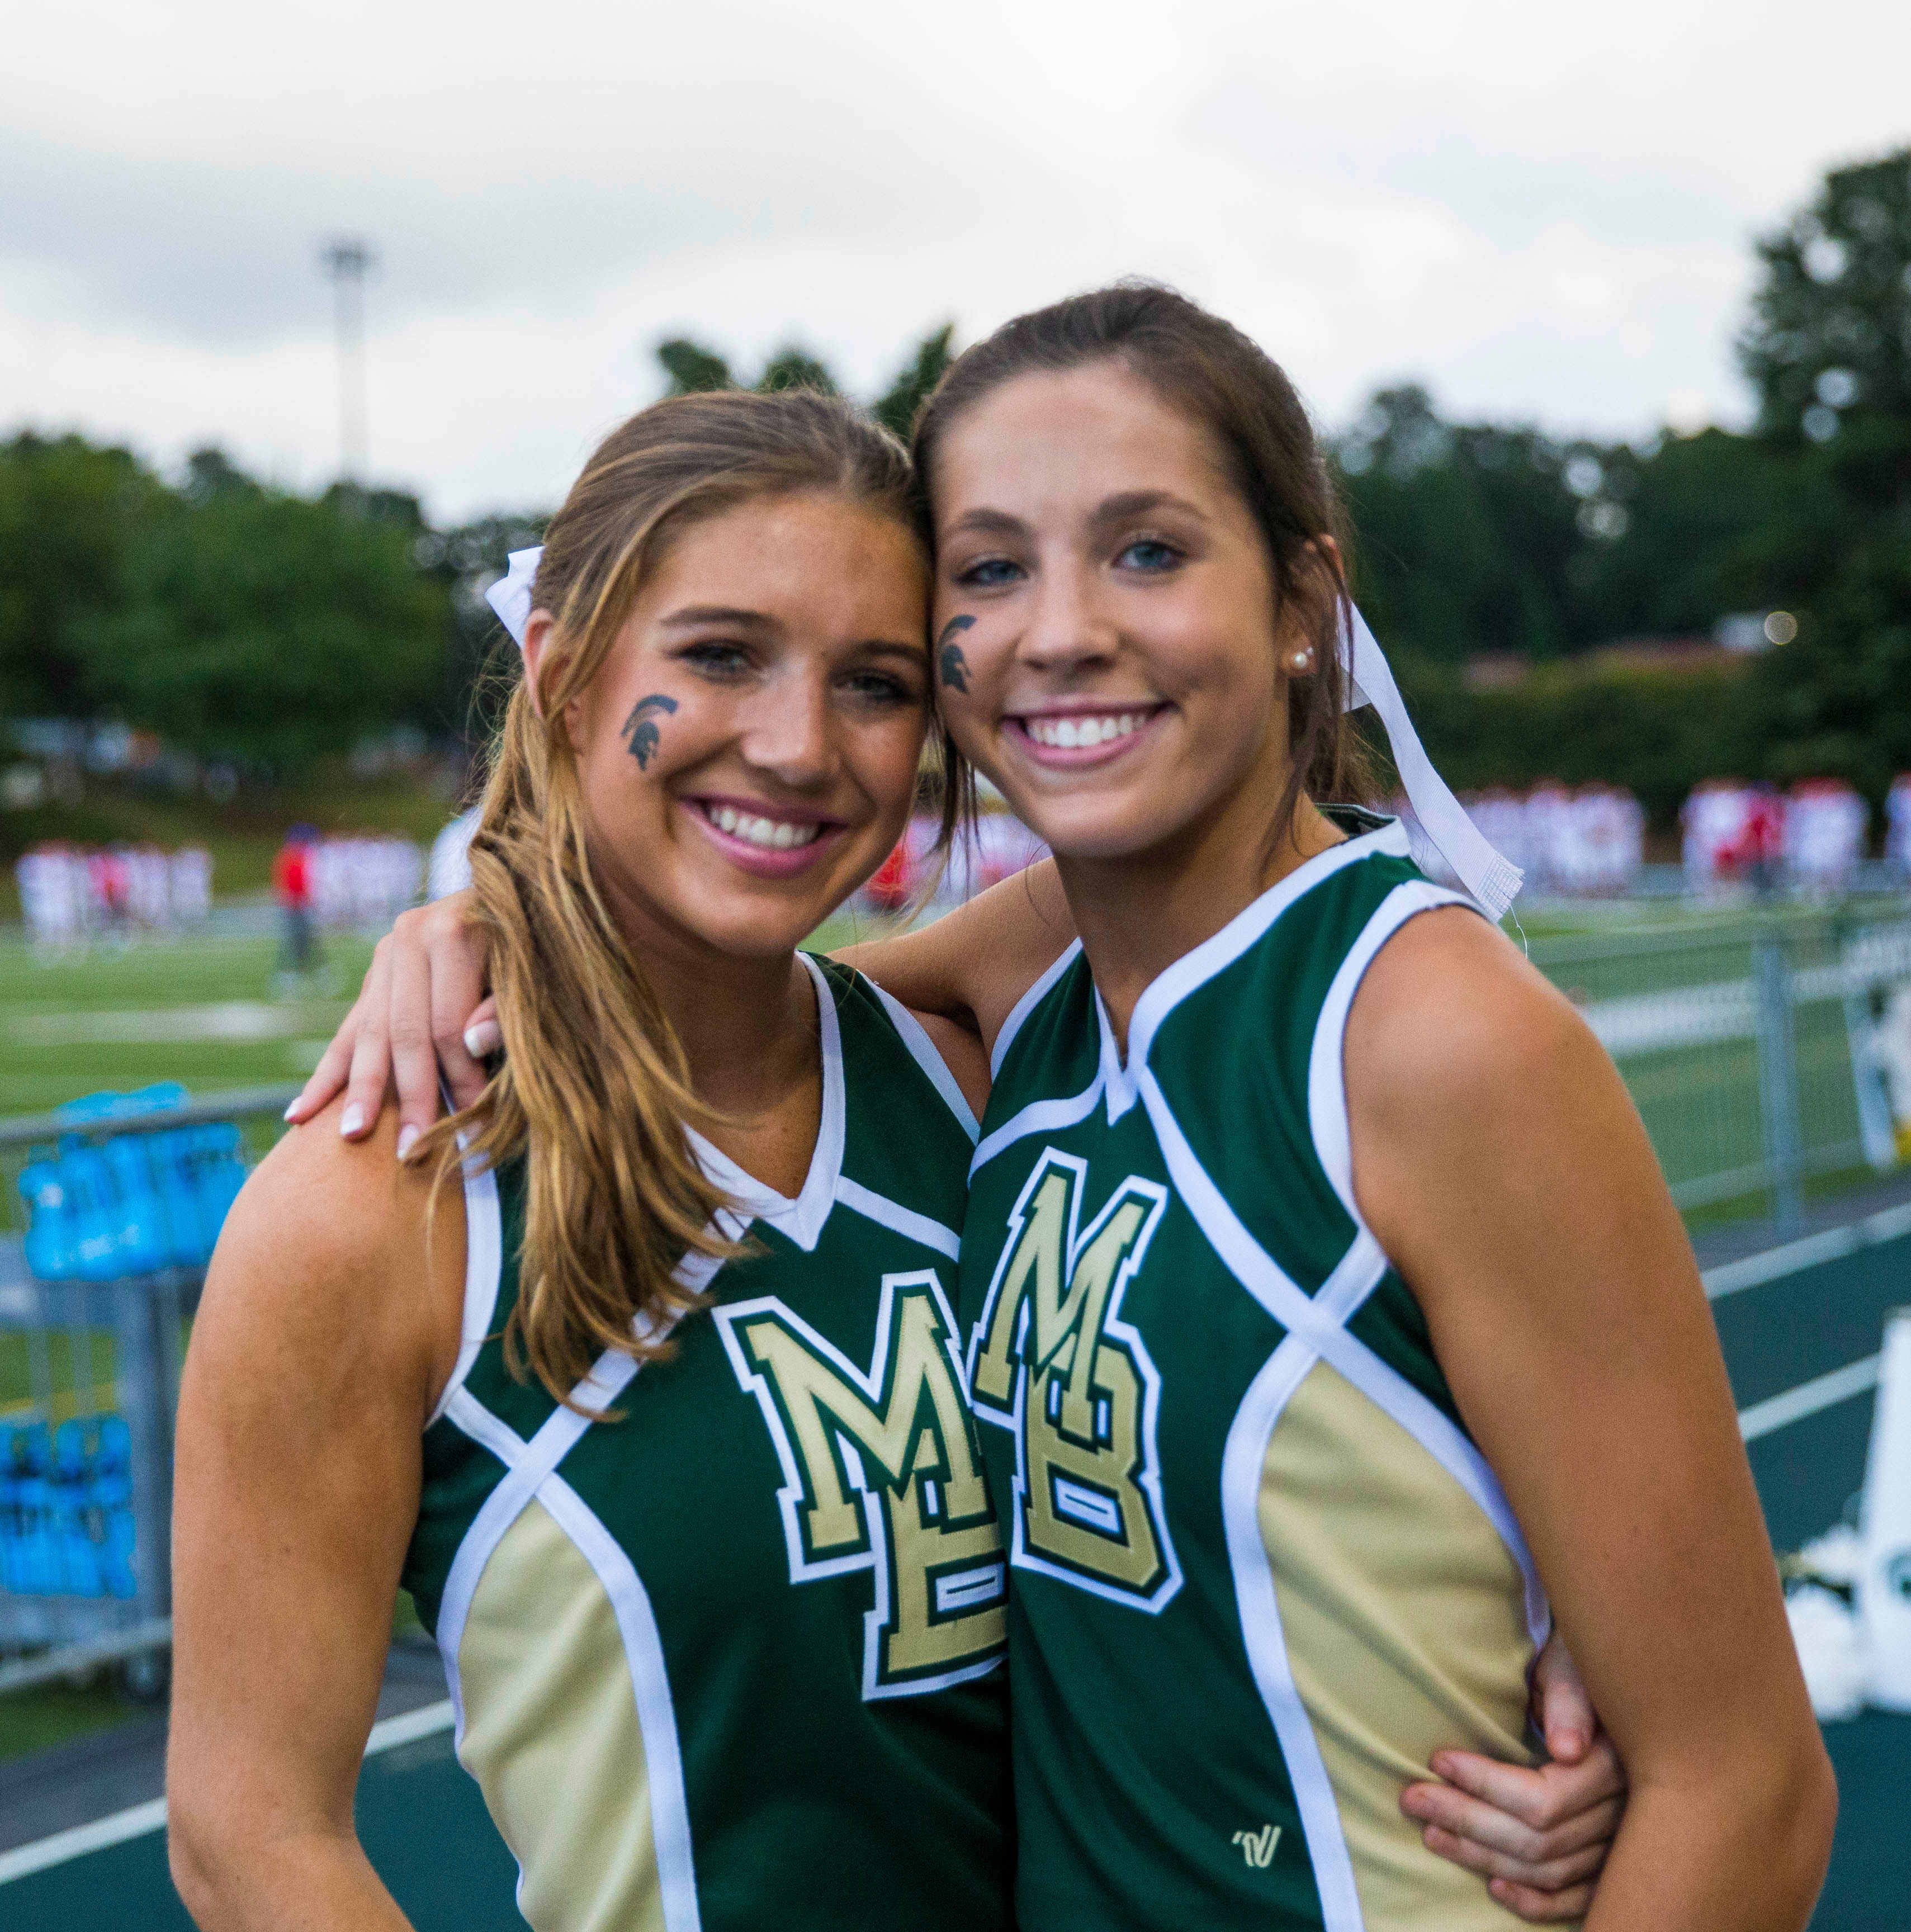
[348, 259]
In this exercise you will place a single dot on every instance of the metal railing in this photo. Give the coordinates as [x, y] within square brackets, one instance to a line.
[1751, 1047]
[97, 1290]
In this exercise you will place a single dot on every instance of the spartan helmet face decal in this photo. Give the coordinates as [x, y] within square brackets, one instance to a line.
[1051, 1360]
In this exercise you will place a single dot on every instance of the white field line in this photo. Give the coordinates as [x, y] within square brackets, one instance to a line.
[235, 1020]
[138, 1819]
[1780, 1412]
[1755, 1270]
[1837, 1385]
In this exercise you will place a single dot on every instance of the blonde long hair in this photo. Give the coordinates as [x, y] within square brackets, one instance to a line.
[594, 1087]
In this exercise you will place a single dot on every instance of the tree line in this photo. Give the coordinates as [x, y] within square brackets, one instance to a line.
[254, 625]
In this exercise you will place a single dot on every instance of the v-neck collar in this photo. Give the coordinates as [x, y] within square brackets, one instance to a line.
[800, 1220]
[1167, 990]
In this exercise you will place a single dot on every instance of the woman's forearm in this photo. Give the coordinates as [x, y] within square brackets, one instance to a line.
[973, 963]
[1743, 1850]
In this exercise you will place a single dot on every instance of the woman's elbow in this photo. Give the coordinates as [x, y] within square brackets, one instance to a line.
[201, 1855]
[1790, 1817]
[1814, 1805]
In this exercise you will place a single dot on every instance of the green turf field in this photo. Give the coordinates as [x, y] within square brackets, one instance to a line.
[205, 1011]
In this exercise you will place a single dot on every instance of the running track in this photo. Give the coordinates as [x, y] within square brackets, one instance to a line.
[1800, 1326]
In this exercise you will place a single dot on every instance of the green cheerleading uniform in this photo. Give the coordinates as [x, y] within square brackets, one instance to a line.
[1260, 1573]
[735, 1660]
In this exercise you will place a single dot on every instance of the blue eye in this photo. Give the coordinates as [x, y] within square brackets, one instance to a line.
[989, 575]
[1150, 554]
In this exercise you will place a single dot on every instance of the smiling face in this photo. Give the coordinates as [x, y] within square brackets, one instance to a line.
[1118, 677]
[747, 754]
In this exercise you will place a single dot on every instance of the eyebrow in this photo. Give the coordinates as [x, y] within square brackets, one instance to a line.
[987, 523]
[1117, 509]
[1138, 502]
[719, 613]
[694, 615]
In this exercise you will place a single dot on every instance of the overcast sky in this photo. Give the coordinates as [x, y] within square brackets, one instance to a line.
[1541, 211]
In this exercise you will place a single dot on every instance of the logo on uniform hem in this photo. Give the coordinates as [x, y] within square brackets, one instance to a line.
[1257, 1847]
[1051, 1360]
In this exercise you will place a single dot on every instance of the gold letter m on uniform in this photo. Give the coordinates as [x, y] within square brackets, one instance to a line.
[881, 1471]
[1052, 1360]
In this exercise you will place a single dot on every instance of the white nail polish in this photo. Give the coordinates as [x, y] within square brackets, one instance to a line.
[481, 1039]
[407, 1140]
[290, 1111]
[351, 1120]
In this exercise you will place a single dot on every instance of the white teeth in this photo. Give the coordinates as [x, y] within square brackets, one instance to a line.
[1072, 733]
[774, 834]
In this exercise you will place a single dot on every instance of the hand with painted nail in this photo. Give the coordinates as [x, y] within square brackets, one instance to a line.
[417, 1020]
[1539, 1837]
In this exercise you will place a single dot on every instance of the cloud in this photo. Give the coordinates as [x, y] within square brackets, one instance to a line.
[1544, 214]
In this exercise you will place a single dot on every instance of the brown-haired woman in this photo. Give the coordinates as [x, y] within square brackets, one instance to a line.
[776, 1363]
[1399, 1333]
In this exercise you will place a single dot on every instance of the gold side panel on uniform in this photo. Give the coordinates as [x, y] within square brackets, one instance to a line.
[897, 1433]
[551, 1735]
[1050, 1327]
[1400, 1607]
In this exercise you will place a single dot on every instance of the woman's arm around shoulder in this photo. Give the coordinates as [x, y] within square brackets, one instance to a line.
[1500, 1163]
[973, 964]
[328, 1324]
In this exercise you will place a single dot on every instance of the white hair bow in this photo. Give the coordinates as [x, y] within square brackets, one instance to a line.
[510, 597]
[1491, 877]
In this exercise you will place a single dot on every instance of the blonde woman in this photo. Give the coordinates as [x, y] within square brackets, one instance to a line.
[653, 1403]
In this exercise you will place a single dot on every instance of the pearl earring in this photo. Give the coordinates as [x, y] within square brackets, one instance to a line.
[1301, 662]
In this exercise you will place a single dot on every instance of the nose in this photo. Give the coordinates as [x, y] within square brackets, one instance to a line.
[788, 735]
[1067, 631]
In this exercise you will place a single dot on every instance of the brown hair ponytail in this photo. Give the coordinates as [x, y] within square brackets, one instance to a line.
[594, 1087]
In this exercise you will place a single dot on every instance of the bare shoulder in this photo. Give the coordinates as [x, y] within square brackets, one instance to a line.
[333, 1252]
[1450, 1012]
[964, 1054]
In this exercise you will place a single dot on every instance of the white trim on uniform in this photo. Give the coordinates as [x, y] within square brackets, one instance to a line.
[484, 1260]
[1242, 1463]
[1270, 1284]
[1214, 954]
[892, 1214]
[1038, 1117]
[656, 1715]
[531, 1477]
[526, 1465]
[1327, 1121]
[927, 1056]
[800, 1220]
[1327, 1075]
[1029, 1001]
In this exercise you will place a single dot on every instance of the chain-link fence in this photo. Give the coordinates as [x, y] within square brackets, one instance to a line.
[1760, 1052]
[114, 1205]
